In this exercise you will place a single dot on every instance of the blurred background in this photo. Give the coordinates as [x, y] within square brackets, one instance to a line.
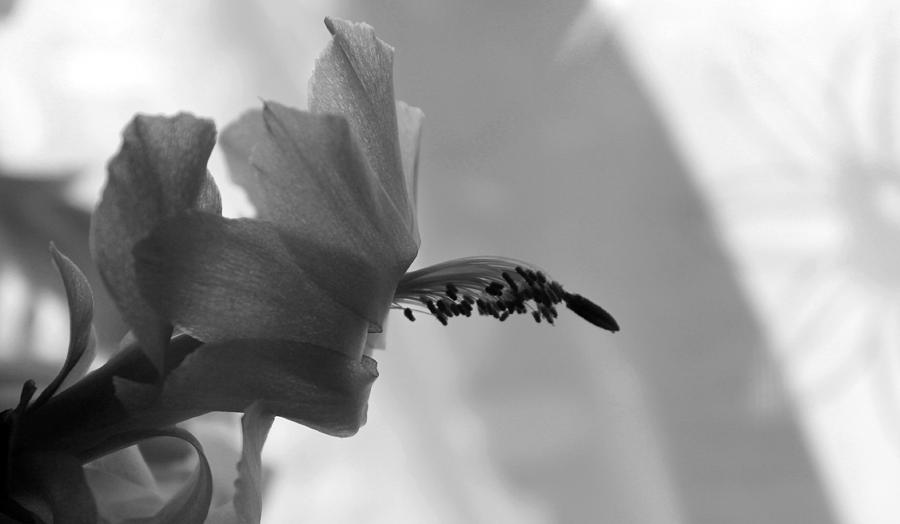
[723, 177]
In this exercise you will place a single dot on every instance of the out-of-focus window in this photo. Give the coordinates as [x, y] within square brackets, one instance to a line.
[787, 114]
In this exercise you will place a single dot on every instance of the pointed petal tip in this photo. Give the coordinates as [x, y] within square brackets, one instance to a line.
[329, 24]
[591, 312]
[144, 128]
[337, 25]
[269, 105]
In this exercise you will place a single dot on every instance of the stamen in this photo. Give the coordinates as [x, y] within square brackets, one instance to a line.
[512, 285]
[482, 306]
[493, 286]
[494, 289]
[442, 307]
[525, 274]
[430, 305]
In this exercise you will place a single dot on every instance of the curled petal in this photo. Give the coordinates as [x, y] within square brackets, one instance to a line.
[81, 313]
[123, 485]
[190, 505]
[354, 77]
[308, 384]
[221, 279]
[159, 171]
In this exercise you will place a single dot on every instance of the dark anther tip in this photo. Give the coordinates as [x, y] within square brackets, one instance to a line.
[591, 312]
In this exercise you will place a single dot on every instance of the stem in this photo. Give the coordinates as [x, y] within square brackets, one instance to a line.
[79, 419]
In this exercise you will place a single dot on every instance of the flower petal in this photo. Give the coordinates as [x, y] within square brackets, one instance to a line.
[354, 77]
[222, 279]
[246, 508]
[311, 385]
[315, 182]
[409, 125]
[237, 141]
[123, 485]
[81, 313]
[160, 171]
[190, 505]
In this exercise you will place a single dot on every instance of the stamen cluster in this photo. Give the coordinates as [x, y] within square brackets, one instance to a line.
[505, 291]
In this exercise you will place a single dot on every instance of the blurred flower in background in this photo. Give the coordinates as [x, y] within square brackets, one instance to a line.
[703, 170]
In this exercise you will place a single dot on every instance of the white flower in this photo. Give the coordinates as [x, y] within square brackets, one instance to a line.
[335, 190]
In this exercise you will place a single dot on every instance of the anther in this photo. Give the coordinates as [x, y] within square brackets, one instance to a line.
[548, 312]
[430, 305]
[409, 314]
[554, 291]
[451, 291]
[541, 297]
[491, 309]
[494, 289]
[482, 306]
[525, 274]
[442, 307]
[512, 283]
[454, 309]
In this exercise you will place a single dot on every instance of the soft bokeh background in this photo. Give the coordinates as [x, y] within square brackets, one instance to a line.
[721, 176]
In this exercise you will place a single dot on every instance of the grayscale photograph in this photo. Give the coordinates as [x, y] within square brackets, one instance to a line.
[449, 262]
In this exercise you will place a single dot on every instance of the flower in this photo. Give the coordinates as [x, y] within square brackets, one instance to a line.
[327, 257]
[273, 315]
[814, 228]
